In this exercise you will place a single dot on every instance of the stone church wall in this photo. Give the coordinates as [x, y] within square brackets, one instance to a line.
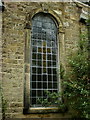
[14, 19]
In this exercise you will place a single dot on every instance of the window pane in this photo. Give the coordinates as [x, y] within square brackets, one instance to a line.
[35, 36]
[43, 57]
[44, 50]
[44, 70]
[39, 78]
[49, 57]
[33, 101]
[39, 63]
[54, 64]
[39, 70]
[34, 49]
[33, 70]
[33, 84]
[54, 71]
[54, 77]
[39, 56]
[39, 93]
[34, 56]
[44, 77]
[44, 43]
[54, 57]
[49, 63]
[33, 93]
[49, 71]
[33, 77]
[49, 45]
[44, 85]
[40, 49]
[44, 63]
[49, 77]
[34, 42]
[39, 43]
[33, 62]
[55, 85]
[39, 85]
[50, 85]
[54, 50]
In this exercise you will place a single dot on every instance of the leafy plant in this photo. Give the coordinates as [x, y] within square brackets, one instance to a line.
[77, 82]
[51, 99]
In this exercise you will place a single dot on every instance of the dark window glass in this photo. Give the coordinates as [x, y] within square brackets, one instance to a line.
[39, 85]
[54, 71]
[44, 85]
[43, 57]
[33, 101]
[55, 85]
[33, 84]
[49, 77]
[49, 57]
[39, 56]
[39, 93]
[39, 70]
[44, 70]
[44, 77]
[40, 49]
[49, 71]
[33, 70]
[39, 63]
[54, 64]
[54, 77]
[49, 63]
[39, 78]
[54, 57]
[33, 93]
[34, 49]
[33, 77]
[33, 62]
[33, 55]
[50, 85]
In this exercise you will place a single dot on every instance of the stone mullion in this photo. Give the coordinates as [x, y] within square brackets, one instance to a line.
[27, 70]
[61, 50]
[62, 44]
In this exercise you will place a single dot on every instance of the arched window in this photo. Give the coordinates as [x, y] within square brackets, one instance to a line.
[44, 57]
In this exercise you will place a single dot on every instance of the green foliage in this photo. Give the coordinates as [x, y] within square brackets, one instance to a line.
[53, 100]
[50, 100]
[77, 82]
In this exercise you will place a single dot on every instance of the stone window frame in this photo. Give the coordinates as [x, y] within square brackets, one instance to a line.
[61, 49]
[37, 70]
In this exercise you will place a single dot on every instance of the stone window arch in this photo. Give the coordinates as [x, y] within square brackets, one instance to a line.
[41, 58]
[44, 58]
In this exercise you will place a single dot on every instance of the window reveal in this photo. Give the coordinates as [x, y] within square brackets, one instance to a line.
[43, 58]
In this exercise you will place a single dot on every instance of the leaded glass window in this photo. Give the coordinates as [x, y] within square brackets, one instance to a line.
[43, 57]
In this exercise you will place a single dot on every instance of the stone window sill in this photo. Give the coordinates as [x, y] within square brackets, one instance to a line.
[42, 110]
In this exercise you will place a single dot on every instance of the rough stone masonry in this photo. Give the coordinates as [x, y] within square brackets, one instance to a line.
[16, 48]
